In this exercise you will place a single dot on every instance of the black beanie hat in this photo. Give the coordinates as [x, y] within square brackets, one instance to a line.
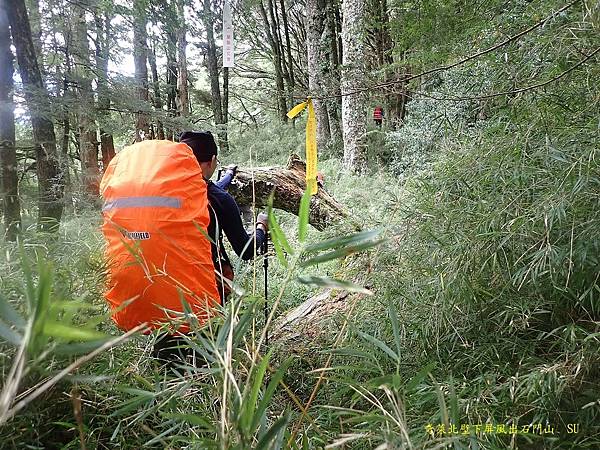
[202, 144]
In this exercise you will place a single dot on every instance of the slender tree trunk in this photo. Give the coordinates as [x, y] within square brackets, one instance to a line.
[285, 70]
[157, 97]
[213, 72]
[171, 78]
[35, 22]
[66, 134]
[8, 153]
[353, 106]
[103, 36]
[315, 26]
[276, 56]
[50, 181]
[334, 105]
[66, 94]
[182, 80]
[288, 45]
[87, 125]
[140, 58]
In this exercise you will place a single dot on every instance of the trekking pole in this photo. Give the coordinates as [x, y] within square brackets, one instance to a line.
[266, 270]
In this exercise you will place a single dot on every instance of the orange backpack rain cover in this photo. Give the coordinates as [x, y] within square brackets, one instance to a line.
[155, 206]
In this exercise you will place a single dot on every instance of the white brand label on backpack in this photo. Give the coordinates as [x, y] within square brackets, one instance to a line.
[136, 235]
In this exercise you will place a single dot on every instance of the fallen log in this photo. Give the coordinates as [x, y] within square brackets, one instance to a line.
[288, 185]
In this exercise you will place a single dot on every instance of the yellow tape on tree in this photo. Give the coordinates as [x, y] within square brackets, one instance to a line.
[311, 142]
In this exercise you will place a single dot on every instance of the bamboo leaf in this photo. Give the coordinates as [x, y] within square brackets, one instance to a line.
[71, 332]
[379, 344]
[272, 433]
[395, 327]
[275, 379]
[342, 252]
[277, 236]
[334, 284]
[191, 419]
[10, 315]
[10, 335]
[419, 377]
[303, 215]
[248, 418]
[344, 241]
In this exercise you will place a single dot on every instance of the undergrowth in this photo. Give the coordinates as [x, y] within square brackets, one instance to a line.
[480, 327]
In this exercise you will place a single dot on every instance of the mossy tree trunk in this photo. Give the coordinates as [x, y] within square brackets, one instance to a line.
[8, 154]
[315, 27]
[288, 185]
[103, 45]
[50, 182]
[86, 106]
[140, 60]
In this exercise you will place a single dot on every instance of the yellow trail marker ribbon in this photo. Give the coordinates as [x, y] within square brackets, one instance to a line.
[311, 142]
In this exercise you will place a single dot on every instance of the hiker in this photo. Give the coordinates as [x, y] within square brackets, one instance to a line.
[160, 214]
[225, 216]
[378, 116]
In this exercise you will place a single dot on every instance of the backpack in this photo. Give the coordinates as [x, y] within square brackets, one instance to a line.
[155, 225]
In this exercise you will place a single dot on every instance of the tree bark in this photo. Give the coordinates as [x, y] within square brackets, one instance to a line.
[276, 57]
[64, 145]
[103, 36]
[35, 22]
[353, 106]
[334, 105]
[288, 46]
[182, 80]
[90, 172]
[213, 72]
[171, 79]
[315, 26]
[140, 58]
[50, 183]
[156, 97]
[8, 153]
[288, 186]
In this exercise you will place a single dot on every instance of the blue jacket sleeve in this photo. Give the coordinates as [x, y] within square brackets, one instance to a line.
[224, 181]
[228, 215]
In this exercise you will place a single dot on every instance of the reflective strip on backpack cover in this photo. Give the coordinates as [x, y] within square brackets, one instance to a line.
[143, 202]
[155, 225]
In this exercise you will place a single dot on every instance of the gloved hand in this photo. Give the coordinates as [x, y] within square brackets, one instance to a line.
[232, 168]
[263, 220]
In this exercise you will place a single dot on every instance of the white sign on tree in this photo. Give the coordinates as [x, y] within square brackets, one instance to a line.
[228, 55]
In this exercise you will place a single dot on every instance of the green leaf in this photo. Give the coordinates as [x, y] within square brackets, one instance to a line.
[275, 379]
[272, 433]
[29, 284]
[10, 314]
[276, 230]
[379, 344]
[344, 241]
[334, 284]
[79, 347]
[277, 236]
[419, 377]
[454, 411]
[303, 215]
[71, 332]
[257, 377]
[392, 380]
[192, 419]
[395, 327]
[10, 335]
[339, 253]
